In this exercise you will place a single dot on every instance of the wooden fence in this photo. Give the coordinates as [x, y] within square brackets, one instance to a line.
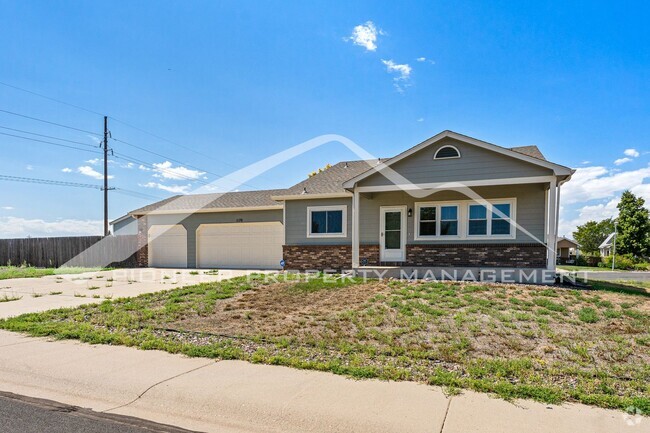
[85, 251]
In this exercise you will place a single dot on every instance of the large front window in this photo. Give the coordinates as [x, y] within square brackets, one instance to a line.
[326, 221]
[465, 220]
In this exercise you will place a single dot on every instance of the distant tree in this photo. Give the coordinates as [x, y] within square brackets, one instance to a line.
[633, 226]
[320, 170]
[591, 234]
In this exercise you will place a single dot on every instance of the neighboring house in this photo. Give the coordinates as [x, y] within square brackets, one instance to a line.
[124, 225]
[426, 207]
[607, 246]
[567, 250]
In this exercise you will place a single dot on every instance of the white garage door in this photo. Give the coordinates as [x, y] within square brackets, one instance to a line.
[167, 246]
[242, 245]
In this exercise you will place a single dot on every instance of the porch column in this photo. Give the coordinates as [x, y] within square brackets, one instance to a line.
[355, 229]
[551, 238]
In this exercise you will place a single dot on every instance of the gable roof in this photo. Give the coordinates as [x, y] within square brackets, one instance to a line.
[523, 153]
[564, 238]
[216, 201]
[329, 182]
[608, 241]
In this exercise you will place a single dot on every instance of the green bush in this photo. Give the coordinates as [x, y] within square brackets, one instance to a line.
[642, 266]
[625, 262]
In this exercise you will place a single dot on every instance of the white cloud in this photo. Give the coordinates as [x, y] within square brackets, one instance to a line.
[87, 170]
[403, 72]
[621, 161]
[585, 162]
[421, 119]
[421, 59]
[29, 167]
[7, 208]
[12, 227]
[365, 35]
[595, 183]
[176, 189]
[93, 161]
[632, 152]
[143, 168]
[66, 170]
[166, 170]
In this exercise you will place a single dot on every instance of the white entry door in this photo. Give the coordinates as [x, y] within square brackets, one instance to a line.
[392, 233]
[240, 245]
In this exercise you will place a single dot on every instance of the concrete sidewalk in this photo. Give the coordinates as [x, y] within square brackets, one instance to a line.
[234, 396]
[72, 290]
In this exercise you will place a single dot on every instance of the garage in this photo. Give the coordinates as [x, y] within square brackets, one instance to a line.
[240, 245]
[167, 246]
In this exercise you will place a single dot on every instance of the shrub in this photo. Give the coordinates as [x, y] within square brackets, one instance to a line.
[622, 262]
[642, 267]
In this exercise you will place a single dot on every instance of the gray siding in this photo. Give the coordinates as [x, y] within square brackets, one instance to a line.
[296, 225]
[128, 226]
[475, 163]
[531, 199]
[193, 221]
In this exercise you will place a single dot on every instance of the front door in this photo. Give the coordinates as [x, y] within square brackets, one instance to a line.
[392, 233]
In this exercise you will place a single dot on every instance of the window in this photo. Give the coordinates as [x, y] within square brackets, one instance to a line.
[326, 221]
[501, 223]
[427, 221]
[448, 220]
[465, 219]
[477, 225]
[447, 152]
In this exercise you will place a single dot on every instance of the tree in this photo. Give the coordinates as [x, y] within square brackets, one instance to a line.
[633, 226]
[591, 234]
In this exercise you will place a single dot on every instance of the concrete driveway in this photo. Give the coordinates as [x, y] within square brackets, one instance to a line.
[29, 295]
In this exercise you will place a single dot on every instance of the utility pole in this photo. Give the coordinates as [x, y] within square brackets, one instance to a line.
[105, 175]
[614, 245]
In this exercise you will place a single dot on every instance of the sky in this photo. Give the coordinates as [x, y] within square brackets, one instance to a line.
[196, 90]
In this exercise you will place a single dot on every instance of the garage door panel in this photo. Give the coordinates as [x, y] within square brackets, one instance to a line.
[241, 245]
[167, 246]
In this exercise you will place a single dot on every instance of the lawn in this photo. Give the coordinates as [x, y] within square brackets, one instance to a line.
[584, 268]
[548, 344]
[7, 272]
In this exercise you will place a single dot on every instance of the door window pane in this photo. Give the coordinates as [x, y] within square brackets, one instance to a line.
[393, 220]
[393, 240]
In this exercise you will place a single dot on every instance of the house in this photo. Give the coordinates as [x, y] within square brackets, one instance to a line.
[124, 225]
[607, 247]
[567, 250]
[450, 202]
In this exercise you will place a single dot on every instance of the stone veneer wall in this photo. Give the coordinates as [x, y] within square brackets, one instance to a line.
[142, 256]
[320, 257]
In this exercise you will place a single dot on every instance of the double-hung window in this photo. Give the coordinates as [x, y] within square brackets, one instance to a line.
[437, 220]
[326, 221]
[477, 220]
[449, 220]
[495, 223]
[501, 219]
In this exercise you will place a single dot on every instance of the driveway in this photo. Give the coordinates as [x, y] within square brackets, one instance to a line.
[29, 295]
[612, 275]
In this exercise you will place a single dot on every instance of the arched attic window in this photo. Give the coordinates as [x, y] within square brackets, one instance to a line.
[447, 152]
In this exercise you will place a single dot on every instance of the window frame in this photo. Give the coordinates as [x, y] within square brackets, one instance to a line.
[463, 220]
[344, 221]
[435, 155]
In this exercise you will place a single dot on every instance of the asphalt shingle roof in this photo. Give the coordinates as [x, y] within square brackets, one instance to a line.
[529, 151]
[193, 202]
[331, 180]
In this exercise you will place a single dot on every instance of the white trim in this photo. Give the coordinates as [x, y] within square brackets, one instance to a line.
[435, 155]
[207, 210]
[463, 220]
[122, 218]
[344, 222]
[454, 184]
[403, 232]
[355, 229]
[557, 169]
[311, 196]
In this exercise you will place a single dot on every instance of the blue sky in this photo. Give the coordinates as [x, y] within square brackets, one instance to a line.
[237, 82]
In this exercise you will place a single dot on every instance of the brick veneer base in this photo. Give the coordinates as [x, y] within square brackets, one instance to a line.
[320, 257]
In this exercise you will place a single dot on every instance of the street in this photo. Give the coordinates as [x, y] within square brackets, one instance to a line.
[20, 414]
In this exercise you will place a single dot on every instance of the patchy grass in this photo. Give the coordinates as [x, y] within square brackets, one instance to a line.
[8, 272]
[583, 268]
[8, 298]
[547, 344]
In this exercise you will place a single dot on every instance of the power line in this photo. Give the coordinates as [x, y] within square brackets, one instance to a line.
[51, 99]
[51, 143]
[46, 136]
[48, 182]
[50, 123]
[137, 194]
